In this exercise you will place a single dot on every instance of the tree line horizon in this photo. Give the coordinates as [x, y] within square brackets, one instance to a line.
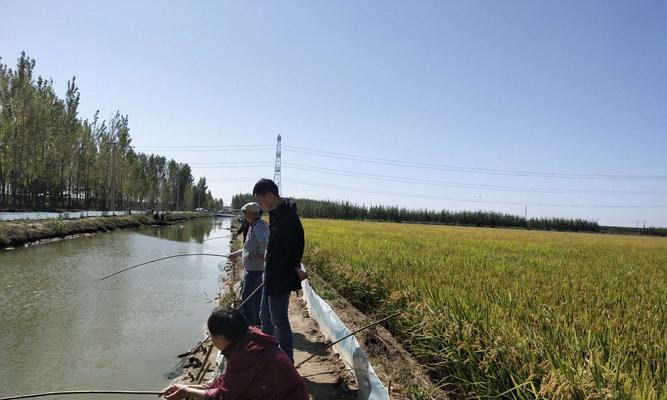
[51, 158]
[330, 209]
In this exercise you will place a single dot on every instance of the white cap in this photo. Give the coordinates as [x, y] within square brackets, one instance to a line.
[252, 207]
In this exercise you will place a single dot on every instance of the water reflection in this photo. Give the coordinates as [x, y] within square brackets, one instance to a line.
[197, 231]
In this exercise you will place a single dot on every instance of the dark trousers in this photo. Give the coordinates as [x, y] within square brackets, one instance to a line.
[275, 320]
[251, 280]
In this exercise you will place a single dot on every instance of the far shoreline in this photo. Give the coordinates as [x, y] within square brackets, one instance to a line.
[21, 233]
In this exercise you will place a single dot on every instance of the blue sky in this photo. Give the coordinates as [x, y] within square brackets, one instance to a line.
[572, 88]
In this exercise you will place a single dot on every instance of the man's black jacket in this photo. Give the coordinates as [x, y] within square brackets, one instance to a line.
[284, 251]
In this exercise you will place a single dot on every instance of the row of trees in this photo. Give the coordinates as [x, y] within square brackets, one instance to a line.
[50, 158]
[624, 230]
[309, 208]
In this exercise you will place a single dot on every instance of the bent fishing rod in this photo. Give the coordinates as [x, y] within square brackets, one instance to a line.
[160, 259]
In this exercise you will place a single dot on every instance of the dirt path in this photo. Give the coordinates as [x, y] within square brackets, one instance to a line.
[325, 374]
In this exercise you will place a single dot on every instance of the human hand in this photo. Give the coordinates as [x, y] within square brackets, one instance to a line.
[303, 275]
[175, 392]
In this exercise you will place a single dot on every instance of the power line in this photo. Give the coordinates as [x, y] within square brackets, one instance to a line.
[513, 203]
[205, 148]
[407, 163]
[231, 165]
[213, 147]
[463, 185]
[233, 180]
[227, 163]
[485, 171]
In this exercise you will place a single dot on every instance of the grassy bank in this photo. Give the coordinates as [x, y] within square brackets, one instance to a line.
[510, 313]
[18, 233]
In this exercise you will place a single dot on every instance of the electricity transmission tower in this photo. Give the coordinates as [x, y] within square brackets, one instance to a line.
[276, 172]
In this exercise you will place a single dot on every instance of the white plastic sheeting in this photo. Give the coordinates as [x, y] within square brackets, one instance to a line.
[14, 216]
[370, 386]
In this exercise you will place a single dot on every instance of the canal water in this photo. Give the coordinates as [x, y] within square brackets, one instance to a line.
[61, 328]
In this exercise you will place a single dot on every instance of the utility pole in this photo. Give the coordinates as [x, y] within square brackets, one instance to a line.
[160, 189]
[276, 172]
[113, 174]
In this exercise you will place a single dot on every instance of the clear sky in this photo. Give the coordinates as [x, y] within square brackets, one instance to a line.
[570, 95]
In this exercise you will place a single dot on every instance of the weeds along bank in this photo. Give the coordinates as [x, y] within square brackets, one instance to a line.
[515, 313]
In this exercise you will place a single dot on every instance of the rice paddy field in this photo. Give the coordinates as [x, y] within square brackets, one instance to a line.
[509, 313]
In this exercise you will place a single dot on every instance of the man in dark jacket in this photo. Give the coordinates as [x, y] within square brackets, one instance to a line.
[282, 271]
[256, 368]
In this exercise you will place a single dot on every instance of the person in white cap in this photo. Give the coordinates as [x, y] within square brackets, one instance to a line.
[252, 254]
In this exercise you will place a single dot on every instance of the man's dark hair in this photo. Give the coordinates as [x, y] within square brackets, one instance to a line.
[264, 186]
[228, 323]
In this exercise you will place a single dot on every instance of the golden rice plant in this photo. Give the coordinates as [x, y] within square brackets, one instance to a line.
[510, 313]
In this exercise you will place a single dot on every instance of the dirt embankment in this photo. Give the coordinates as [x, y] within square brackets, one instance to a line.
[19, 233]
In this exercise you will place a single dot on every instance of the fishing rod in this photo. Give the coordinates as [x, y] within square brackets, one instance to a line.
[28, 396]
[261, 285]
[217, 237]
[160, 259]
[205, 364]
[168, 257]
[348, 335]
[208, 335]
